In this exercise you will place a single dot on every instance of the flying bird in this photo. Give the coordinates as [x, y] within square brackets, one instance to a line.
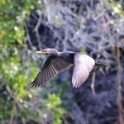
[60, 61]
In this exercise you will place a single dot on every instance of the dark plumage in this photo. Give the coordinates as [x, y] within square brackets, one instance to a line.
[60, 61]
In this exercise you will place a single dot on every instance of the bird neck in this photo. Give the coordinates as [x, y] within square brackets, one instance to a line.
[55, 53]
[59, 53]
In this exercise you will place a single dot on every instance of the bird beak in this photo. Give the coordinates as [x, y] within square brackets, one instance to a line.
[41, 52]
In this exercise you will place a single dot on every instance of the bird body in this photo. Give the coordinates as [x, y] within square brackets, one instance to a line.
[68, 56]
[60, 61]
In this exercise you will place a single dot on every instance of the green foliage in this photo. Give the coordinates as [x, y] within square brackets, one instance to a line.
[83, 51]
[17, 67]
[53, 104]
[115, 7]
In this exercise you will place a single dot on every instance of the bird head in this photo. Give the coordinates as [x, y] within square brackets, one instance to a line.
[48, 51]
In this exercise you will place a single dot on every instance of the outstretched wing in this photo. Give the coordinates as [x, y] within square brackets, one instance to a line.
[83, 64]
[51, 68]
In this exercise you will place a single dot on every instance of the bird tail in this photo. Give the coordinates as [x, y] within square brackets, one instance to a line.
[101, 65]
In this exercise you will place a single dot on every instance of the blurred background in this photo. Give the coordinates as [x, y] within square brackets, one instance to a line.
[94, 27]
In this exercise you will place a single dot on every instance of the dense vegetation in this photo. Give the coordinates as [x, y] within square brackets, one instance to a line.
[93, 27]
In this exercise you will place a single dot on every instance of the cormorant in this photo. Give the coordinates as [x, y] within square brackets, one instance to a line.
[60, 61]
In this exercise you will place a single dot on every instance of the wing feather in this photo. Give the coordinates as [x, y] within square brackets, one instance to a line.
[49, 75]
[51, 68]
[83, 64]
